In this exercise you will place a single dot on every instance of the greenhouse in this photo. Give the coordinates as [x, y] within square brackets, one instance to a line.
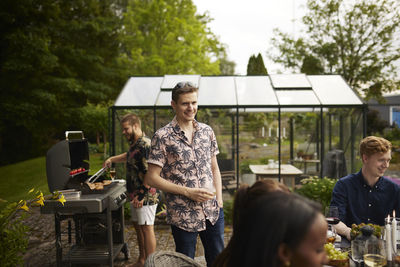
[302, 120]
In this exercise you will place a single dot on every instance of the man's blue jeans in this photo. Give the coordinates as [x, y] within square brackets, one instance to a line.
[212, 239]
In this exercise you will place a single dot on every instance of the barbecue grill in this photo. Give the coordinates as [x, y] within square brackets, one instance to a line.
[98, 214]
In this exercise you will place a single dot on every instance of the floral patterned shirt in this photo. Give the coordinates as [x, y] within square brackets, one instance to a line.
[188, 165]
[136, 168]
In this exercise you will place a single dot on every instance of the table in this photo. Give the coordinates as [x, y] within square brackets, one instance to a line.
[288, 173]
[305, 161]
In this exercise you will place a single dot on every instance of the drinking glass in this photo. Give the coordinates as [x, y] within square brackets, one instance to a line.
[357, 250]
[112, 173]
[375, 253]
[210, 188]
[332, 215]
[331, 235]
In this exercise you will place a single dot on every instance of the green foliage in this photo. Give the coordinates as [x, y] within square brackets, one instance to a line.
[62, 62]
[13, 232]
[228, 211]
[13, 236]
[356, 40]
[256, 66]
[393, 135]
[94, 121]
[56, 58]
[375, 124]
[167, 36]
[317, 189]
[226, 66]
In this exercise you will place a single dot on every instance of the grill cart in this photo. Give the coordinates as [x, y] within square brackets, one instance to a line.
[93, 204]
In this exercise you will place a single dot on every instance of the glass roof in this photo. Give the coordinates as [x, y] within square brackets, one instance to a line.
[217, 91]
[289, 81]
[276, 90]
[333, 90]
[139, 91]
[297, 97]
[255, 90]
[170, 81]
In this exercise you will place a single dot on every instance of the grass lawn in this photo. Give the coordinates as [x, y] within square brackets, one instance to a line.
[17, 179]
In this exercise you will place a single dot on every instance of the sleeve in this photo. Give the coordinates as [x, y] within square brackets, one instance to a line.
[157, 155]
[340, 200]
[214, 145]
[145, 156]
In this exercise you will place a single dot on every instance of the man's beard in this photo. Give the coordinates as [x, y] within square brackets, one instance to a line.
[130, 137]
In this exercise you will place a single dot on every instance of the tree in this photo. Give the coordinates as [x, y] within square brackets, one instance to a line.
[56, 56]
[226, 66]
[256, 66]
[358, 41]
[167, 36]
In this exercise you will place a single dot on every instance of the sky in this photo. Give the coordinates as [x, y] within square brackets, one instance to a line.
[246, 27]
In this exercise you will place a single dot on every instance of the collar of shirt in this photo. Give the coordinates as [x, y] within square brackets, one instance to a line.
[132, 144]
[364, 183]
[178, 131]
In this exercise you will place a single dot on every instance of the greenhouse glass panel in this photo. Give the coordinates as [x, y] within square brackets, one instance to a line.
[217, 91]
[289, 81]
[296, 97]
[139, 91]
[164, 99]
[255, 90]
[333, 90]
[170, 81]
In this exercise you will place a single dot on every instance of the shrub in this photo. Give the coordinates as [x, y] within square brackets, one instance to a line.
[13, 232]
[317, 189]
[228, 211]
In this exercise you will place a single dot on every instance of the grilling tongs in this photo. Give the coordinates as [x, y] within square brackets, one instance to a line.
[95, 176]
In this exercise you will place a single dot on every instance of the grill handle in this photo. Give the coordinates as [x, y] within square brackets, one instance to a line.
[73, 132]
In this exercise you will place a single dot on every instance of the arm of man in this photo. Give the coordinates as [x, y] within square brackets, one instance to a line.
[217, 180]
[339, 199]
[343, 230]
[154, 179]
[115, 159]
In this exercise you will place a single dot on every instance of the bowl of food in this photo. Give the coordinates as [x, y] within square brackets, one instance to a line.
[336, 257]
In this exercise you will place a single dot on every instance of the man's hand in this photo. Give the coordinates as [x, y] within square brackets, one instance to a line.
[107, 163]
[198, 194]
[343, 230]
[136, 203]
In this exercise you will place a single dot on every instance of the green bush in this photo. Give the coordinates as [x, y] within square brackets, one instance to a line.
[13, 236]
[317, 189]
[228, 211]
[13, 232]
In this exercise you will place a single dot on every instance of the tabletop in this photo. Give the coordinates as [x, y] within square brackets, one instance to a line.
[286, 169]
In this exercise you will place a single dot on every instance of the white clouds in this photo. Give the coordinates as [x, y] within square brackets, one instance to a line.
[246, 27]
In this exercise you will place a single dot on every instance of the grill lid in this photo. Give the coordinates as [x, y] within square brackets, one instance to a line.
[63, 157]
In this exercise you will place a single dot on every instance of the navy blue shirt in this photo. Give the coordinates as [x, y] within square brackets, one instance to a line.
[359, 203]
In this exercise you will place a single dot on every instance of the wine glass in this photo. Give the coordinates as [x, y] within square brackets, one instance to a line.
[357, 250]
[112, 173]
[332, 215]
[375, 253]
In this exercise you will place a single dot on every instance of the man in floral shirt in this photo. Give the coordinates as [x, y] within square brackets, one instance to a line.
[183, 164]
[143, 199]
